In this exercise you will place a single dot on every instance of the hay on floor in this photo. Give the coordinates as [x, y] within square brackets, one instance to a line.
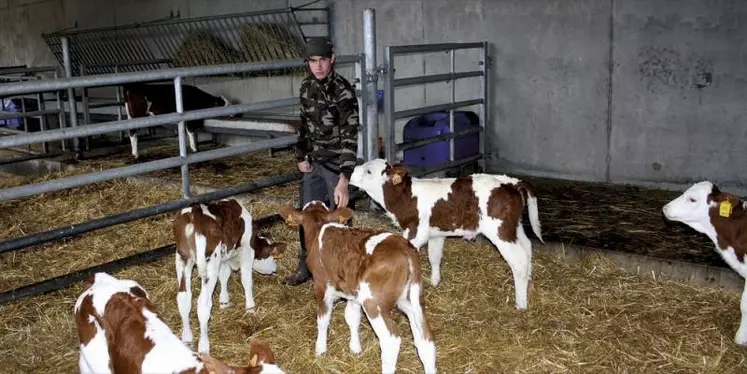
[582, 317]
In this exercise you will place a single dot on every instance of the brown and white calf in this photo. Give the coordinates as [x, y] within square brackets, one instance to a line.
[375, 270]
[120, 331]
[219, 238]
[723, 218]
[432, 209]
[143, 100]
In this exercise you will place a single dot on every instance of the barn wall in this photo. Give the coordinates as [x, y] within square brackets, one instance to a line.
[559, 109]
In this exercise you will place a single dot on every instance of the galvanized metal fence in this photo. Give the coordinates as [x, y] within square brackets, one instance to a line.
[391, 114]
[235, 38]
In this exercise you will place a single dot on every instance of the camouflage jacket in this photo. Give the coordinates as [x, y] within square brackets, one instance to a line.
[329, 122]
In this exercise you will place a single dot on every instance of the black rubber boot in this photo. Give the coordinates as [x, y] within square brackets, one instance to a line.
[302, 273]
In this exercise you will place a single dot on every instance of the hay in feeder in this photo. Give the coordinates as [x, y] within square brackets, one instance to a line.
[585, 317]
[267, 41]
[203, 48]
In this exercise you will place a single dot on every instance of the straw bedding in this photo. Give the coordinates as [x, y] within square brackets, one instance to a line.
[582, 317]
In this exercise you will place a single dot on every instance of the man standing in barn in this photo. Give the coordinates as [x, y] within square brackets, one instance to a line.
[328, 143]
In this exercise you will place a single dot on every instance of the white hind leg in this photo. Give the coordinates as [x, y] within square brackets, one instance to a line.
[435, 254]
[421, 331]
[184, 294]
[353, 319]
[527, 245]
[518, 259]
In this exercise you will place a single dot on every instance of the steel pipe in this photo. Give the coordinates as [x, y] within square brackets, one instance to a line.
[371, 85]
[435, 108]
[435, 78]
[19, 88]
[434, 139]
[133, 215]
[147, 167]
[136, 123]
[436, 47]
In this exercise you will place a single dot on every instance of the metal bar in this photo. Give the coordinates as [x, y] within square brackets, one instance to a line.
[106, 104]
[485, 107]
[435, 108]
[10, 115]
[448, 165]
[141, 122]
[389, 133]
[149, 211]
[436, 78]
[40, 69]
[120, 134]
[437, 138]
[70, 91]
[452, 99]
[363, 129]
[61, 116]
[20, 88]
[370, 88]
[147, 167]
[435, 47]
[42, 120]
[67, 280]
[182, 135]
[86, 111]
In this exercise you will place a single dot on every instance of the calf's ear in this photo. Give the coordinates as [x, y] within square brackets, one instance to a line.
[291, 216]
[341, 215]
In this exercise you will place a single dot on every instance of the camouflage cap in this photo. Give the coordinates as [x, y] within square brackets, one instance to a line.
[318, 47]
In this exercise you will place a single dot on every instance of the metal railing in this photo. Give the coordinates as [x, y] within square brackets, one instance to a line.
[22, 74]
[258, 36]
[391, 84]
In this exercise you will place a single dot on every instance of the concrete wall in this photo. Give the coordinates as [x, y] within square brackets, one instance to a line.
[559, 108]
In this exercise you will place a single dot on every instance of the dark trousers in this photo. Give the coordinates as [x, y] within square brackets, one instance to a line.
[319, 184]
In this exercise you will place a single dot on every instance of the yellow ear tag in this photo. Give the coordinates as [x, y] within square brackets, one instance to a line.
[724, 209]
[341, 218]
[254, 361]
[396, 179]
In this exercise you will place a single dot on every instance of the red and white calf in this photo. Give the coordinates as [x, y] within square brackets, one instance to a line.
[120, 331]
[432, 209]
[723, 218]
[376, 270]
[219, 238]
[153, 99]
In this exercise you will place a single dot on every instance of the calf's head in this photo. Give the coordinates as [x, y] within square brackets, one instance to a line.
[262, 361]
[266, 253]
[374, 175]
[700, 204]
[314, 215]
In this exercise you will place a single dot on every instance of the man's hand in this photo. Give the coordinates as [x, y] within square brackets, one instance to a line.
[304, 166]
[341, 192]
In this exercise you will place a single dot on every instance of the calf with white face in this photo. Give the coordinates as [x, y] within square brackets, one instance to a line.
[722, 217]
[430, 209]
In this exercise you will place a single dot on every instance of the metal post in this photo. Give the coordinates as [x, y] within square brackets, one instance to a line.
[485, 104]
[25, 120]
[182, 136]
[61, 113]
[119, 107]
[360, 72]
[70, 91]
[389, 106]
[86, 109]
[371, 85]
[452, 86]
[40, 105]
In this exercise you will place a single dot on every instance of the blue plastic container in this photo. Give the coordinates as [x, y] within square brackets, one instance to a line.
[434, 124]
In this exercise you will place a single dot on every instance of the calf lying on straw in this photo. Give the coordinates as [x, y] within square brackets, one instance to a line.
[375, 270]
[431, 209]
[723, 218]
[219, 237]
[120, 331]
